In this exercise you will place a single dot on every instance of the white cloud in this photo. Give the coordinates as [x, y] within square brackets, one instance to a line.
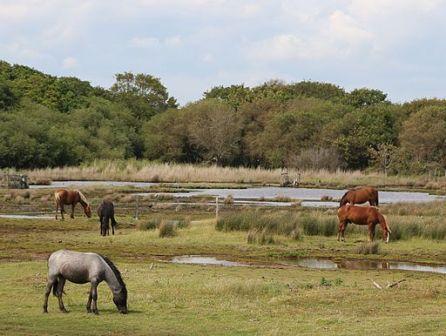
[69, 62]
[149, 42]
[144, 42]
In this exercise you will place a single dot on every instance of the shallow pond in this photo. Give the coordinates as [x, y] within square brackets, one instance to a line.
[324, 264]
[201, 260]
[311, 197]
[259, 196]
[80, 184]
[27, 216]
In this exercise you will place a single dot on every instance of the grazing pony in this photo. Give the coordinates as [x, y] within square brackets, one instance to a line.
[360, 195]
[361, 215]
[106, 213]
[71, 197]
[81, 268]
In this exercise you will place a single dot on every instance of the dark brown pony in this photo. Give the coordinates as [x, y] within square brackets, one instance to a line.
[71, 197]
[361, 215]
[360, 195]
[106, 213]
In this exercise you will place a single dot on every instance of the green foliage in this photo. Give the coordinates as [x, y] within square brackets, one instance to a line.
[7, 97]
[58, 121]
[365, 97]
[143, 94]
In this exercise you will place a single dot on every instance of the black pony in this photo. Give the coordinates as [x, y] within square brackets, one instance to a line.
[106, 213]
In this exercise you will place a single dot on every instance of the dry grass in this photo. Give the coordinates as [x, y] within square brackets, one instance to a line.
[143, 170]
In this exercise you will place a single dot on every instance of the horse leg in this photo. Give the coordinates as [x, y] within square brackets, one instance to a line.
[94, 296]
[89, 300]
[62, 210]
[371, 231]
[57, 208]
[49, 285]
[60, 286]
[72, 210]
[341, 230]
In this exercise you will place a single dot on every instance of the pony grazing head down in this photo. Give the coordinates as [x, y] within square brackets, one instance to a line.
[120, 296]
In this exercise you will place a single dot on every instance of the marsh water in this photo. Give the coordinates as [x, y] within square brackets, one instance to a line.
[258, 196]
[320, 263]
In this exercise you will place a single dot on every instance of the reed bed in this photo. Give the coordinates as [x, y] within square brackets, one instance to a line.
[405, 227]
[284, 223]
[147, 171]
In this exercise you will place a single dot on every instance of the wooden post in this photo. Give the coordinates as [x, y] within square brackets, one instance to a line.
[216, 208]
[137, 207]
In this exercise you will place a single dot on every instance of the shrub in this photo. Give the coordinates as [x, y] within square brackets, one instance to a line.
[368, 248]
[151, 224]
[256, 236]
[167, 229]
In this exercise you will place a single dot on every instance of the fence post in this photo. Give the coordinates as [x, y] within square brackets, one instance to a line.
[137, 207]
[216, 208]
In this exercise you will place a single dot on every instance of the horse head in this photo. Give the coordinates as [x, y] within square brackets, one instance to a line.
[87, 210]
[120, 300]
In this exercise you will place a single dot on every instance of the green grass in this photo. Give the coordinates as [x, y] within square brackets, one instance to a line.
[172, 299]
[194, 300]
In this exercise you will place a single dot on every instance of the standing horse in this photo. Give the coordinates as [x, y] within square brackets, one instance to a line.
[361, 215]
[360, 195]
[106, 213]
[71, 197]
[81, 268]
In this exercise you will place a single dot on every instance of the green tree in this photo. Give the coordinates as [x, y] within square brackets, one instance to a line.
[143, 94]
[365, 97]
[7, 97]
[424, 136]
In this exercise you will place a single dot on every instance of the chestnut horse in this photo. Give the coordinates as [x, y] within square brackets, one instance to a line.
[361, 215]
[71, 197]
[360, 195]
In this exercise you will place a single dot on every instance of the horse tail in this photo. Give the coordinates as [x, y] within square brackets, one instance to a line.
[375, 194]
[113, 221]
[387, 225]
[55, 286]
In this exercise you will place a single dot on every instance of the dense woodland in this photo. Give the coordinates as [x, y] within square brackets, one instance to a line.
[59, 121]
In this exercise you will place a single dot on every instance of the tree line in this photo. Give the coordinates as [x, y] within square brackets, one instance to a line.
[50, 121]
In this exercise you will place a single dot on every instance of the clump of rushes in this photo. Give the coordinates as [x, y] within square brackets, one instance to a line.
[167, 229]
[150, 224]
[368, 248]
[326, 198]
[261, 237]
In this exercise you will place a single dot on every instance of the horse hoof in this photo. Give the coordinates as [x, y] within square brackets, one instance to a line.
[96, 312]
[64, 311]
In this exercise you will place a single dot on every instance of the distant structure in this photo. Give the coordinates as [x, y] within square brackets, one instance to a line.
[286, 181]
[14, 181]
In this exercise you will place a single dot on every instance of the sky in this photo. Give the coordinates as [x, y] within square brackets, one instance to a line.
[397, 46]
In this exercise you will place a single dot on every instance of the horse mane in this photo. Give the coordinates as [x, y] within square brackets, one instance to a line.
[115, 271]
[82, 196]
[343, 198]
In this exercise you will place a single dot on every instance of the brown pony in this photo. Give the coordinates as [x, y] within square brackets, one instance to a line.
[71, 197]
[360, 195]
[361, 215]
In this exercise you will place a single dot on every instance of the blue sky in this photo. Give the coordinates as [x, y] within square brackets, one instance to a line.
[397, 46]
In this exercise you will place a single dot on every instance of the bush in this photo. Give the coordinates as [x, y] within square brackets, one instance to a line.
[151, 224]
[368, 248]
[167, 229]
[256, 236]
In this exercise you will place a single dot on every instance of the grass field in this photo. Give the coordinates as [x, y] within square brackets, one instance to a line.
[271, 297]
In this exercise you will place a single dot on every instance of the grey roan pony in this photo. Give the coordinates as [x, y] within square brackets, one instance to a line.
[81, 268]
